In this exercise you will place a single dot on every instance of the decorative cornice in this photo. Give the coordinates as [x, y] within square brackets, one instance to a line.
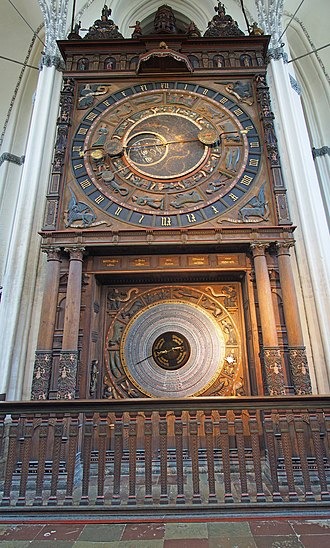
[317, 152]
[8, 157]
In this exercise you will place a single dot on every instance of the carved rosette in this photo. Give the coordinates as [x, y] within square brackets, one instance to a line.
[67, 379]
[299, 371]
[273, 371]
[41, 374]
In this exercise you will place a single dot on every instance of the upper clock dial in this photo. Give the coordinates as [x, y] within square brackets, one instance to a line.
[166, 154]
[164, 146]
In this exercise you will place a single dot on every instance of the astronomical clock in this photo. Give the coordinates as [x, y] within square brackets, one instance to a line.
[166, 169]
[166, 154]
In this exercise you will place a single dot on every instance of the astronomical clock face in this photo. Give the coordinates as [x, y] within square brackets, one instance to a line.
[166, 154]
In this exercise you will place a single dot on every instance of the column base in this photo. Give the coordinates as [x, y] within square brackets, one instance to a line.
[67, 380]
[41, 374]
[299, 370]
[274, 377]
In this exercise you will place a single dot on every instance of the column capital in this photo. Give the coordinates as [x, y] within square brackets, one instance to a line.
[283, 248]
[76, 253]
[258, 248]
[48, 60]
[53, 253]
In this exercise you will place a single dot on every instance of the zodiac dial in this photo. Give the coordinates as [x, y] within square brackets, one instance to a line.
[166, 154]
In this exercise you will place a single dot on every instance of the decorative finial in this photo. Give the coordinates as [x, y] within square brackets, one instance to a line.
[255, 30]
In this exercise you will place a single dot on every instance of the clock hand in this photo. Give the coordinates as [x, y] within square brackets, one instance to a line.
[144, 359]
[135, 147]
[203, 138]
[159, 352]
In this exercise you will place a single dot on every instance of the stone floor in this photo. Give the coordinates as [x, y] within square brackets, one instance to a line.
[253, 533]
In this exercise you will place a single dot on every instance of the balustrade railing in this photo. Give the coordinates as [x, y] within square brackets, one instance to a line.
[203, 452]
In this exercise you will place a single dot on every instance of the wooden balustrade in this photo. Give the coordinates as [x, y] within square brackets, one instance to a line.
[201, 453]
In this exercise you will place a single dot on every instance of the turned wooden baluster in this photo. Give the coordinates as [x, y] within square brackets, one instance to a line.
[102, 444]
[208, 427]
[2, 431]
[163, 457]
[58, 436]
[253, 425]
[327, 428]
[178, 431]
[271, 453]
[26, 454]
[11, 459]
[86, 456]
[287, 454]
[132, 431]
[315, 428]
[71, 460]
[118, 455]
[193, 433]
[148, 457]
[238, 425]
[224, 444]
[300, 435]
[43, 436]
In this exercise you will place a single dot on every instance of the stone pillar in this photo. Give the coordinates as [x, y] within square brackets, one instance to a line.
[271, 354]
[44, 353]
[308, 213]
[20, 299]
[297, 353]
[69, 353]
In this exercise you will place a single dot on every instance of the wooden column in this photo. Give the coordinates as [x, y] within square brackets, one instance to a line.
[297, 352]
[271, 354]
[44, 353]
[69, 353]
